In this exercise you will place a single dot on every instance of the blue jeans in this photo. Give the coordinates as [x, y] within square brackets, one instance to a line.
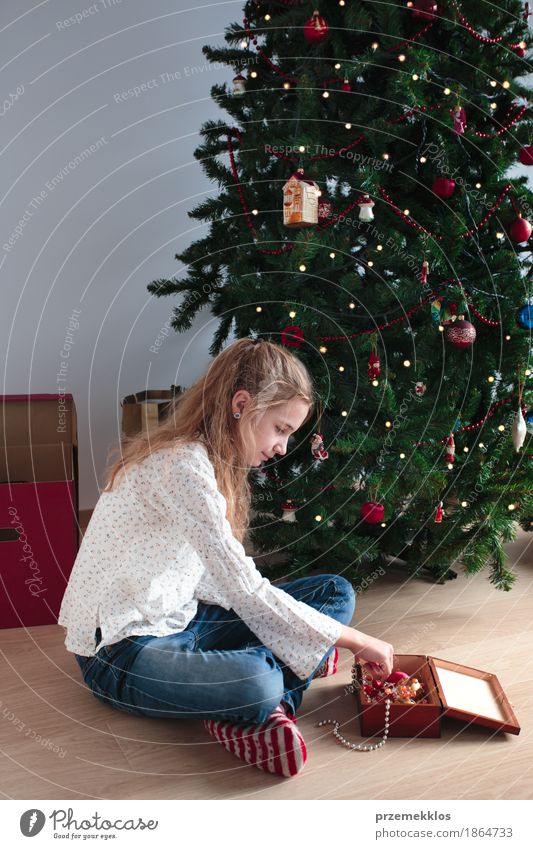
[216, 668]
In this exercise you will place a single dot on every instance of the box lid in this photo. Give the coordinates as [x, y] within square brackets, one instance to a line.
[472, 695]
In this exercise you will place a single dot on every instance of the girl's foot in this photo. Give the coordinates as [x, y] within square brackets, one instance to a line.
[330, 665]
[274, 746]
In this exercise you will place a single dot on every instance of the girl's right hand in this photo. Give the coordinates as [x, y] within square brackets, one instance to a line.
[377, 653]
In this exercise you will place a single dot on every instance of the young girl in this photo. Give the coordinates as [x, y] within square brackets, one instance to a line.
[165, 613]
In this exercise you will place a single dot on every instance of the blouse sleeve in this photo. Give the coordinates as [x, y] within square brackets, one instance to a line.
[295, 632]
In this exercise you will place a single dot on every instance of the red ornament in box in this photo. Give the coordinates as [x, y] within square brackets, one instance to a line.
[372, 513]
[425, 9]
[461, 333]
[292, 336]
[526, 155]
[443, 187]
[520, 230]
[316, 29]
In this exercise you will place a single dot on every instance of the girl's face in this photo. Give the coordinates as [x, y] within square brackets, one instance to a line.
[273, 428]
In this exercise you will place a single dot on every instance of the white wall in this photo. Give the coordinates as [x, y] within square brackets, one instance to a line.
[118, 216]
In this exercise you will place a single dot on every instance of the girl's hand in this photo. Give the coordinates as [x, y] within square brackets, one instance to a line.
[377, 653]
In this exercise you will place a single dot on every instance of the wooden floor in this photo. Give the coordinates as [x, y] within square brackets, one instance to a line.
[59, 742]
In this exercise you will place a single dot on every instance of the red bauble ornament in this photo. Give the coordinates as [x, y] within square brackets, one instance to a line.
[316, 29]
[520, 51]
[394, 677]
[346, 86]
[425, 9]
[461, 333]
[372, 512]
[292, 336]
[520, 230]
[526, 155]
[443, 187]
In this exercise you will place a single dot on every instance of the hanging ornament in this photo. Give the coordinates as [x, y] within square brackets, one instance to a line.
[365, 208]
[316, 29]
[520, 51]
[461, 333]
[300, 201]
[450, 449]
[524, 316]
[529, 421]
[346, 85]
[441, 310]
[443, 187]
[289, 507]
[372, 513]
[420, 388]
[325, 209]
[526, 155]
[424, 272]
[425, 9]
[239, 84]
[519, 430]
[317, 447]
[292, 336]
[374, 365]
[520, 230]
[459, 119]
[439, 513]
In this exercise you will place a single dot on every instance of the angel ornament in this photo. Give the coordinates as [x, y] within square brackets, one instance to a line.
[459, 120]
[317, 447]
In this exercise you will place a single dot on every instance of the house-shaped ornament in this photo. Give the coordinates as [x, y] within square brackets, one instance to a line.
[300, 201]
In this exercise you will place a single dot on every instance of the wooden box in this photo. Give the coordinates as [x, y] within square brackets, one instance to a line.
[452, 689]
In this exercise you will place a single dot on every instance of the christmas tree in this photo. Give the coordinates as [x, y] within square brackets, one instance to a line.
[363, 217]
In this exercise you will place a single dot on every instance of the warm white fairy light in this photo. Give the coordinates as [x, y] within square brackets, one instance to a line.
[478, 185]
[379, 247]
[402, 57]
[386, 156]
[351, 305]
[501, 427]
[383, 524]
[511, 506]
[527, 372]
[499, 234]
[407, 363]
[255, 211]
[441, 328]
[337, 65]
[447, 91]
[292, 314]
[348, 126]
[506, 84]
[450, 466]
[322, 349]
[375, 45]
[406, 212]
[259, 309]
[253, 74]
[344, 413]
[318, 518]
[375, 382]
[493, 105]
[325, 94]
[370, 263]
[414, 77]
[493, 83]
[402, 456]
[388, 424]
[466, 449]
[332, 255]
[286, 85]
[302, 148]
[481, 444]
[464, 503]
[507, 338]
[490, 378]
[423, 159]
[302, 267]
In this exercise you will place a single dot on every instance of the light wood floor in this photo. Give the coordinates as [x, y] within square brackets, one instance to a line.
[102, 753]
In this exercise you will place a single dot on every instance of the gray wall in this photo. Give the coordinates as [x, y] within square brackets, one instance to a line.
[92, 239]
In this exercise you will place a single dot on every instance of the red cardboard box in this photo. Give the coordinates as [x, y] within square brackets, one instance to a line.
[39, 528]
[453, 690]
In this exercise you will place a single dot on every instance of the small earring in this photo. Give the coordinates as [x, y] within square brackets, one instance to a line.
[236, 415]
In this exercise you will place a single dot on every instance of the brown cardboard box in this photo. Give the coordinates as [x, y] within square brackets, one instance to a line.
[144, 410]
[39, 529]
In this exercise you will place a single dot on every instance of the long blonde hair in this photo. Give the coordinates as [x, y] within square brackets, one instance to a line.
[269, 372]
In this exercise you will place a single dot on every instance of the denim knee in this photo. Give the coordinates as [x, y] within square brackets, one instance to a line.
[262, 689]
[343, 600]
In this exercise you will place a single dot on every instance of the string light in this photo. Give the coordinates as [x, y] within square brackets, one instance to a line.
[423, 159]
[414, 77]
[481, 444]
[402, 456]
[501, 427]
[447, 91]
[386, 156]
[286, 86]
[441, 328]
[499, 234]
[493, 105]
[344, 413]
[466, 449]
[341, 368]
[507, 338]
[493, 83]
[407, 363]
[253, 74]
[267, 17]
[259, 309]
[506, 84]
[322, 349]
[325, 94]
[375, 382]
[370, 263]
[302, 267]
[388, 424]
[255, 211]
[351, 305]
[527, 372]
[337, 65]
[292, 314]
[348, 126]
[332, 255]
[318, 518]
[464, 503]
[450, 466]
[478, 185]
[402, 57]
[511, 506]
[383, 524]
[375, 45]
[379, 247]
[490, 378]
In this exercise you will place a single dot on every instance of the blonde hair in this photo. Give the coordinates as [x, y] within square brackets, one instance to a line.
[269, 372]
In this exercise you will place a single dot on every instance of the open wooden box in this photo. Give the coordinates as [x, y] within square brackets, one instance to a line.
[452, 689]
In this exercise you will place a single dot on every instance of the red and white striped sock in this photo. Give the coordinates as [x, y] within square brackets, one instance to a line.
[275, 745]
[330, 665]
